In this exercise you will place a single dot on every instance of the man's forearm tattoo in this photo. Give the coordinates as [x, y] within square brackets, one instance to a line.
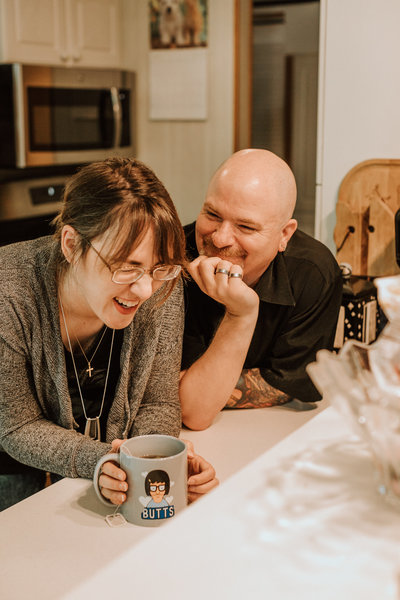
[252, 391]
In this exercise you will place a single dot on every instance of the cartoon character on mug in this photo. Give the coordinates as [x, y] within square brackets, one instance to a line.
[158, 505]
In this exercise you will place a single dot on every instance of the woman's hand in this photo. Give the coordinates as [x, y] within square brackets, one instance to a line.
[201, 475]
[112, 480]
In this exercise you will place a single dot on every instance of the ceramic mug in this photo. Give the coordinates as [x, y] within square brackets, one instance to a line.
[156, 472]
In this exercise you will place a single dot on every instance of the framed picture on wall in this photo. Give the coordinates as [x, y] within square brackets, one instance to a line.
[178, 24]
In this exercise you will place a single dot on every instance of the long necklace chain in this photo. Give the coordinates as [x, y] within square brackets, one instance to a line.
[92, 427]
[90, 368]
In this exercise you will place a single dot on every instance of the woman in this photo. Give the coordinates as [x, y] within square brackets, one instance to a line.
[90, 333]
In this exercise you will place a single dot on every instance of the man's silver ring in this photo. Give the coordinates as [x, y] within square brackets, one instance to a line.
[224, 271]
[238, 275]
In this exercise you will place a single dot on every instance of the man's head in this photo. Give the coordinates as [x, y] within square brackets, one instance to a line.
[247, 214]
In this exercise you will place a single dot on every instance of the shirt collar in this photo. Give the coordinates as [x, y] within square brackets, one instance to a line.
[274, 285]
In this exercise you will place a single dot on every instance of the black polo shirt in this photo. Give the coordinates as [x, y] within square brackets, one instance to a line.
[300, 295]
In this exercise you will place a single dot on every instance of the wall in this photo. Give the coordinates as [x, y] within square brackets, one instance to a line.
[185, 154]
[358, 107]
[359, 90]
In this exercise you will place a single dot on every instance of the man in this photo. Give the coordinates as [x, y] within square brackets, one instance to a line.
[265, 297]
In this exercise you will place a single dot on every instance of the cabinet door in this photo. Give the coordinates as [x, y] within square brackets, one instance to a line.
[33, 31]
[94, 32]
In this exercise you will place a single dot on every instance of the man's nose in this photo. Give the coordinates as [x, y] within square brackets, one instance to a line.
[223, 235]
[143, 287]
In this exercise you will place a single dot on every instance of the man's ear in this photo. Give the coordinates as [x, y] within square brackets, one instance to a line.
[69, 239]
[287, 233]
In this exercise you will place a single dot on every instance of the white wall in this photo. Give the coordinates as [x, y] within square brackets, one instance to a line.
[185, 154]
[359, 88]
[359, 91]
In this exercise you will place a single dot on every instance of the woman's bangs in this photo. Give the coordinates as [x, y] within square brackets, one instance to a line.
[127, 233]
[168, 240]
[131, 223]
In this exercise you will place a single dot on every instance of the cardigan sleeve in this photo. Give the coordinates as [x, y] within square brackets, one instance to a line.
[36, 422]
[28, 434]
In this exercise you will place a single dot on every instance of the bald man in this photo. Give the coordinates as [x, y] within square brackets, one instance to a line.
[264, 296]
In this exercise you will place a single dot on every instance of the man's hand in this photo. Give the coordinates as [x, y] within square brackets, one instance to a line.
[206, 385]
[238, 298]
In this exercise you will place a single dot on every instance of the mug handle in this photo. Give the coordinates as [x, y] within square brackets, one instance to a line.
[103, 459]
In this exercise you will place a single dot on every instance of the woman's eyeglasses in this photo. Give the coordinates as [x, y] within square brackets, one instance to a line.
[131, 274]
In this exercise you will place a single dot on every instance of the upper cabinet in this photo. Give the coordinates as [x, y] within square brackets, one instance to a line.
[84, 33]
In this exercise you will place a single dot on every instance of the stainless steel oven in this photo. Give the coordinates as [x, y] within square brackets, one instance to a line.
[59, 115]
[28, 206]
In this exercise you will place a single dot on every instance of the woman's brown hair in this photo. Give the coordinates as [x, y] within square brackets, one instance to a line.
[125, 197]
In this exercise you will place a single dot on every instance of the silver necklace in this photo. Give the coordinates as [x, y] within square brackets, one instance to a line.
[92, 427]
[90, 368]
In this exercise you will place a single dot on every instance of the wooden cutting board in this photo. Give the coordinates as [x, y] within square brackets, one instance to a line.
[369, 197]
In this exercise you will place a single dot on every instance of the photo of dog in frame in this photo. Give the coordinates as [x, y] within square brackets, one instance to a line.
[178, 23]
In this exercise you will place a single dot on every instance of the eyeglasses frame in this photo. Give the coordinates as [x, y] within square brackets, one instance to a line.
[142, 270]
[158, 487]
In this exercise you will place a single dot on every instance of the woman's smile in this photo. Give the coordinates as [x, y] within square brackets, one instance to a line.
[126, 307]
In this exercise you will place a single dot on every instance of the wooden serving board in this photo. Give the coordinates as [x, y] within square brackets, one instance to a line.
[369, 197]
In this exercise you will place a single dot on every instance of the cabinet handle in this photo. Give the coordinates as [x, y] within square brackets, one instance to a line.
[77, 57]
[64, 57]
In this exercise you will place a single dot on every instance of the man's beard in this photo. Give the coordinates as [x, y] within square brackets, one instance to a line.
[234, 255]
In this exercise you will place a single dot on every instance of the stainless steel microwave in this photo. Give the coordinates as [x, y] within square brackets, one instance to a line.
[58, 115]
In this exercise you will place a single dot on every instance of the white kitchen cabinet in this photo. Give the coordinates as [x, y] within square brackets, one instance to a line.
[84, 33]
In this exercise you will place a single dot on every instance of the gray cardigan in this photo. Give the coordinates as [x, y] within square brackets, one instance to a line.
[36, 421]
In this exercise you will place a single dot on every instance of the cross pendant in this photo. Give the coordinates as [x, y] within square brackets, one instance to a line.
[89, 369]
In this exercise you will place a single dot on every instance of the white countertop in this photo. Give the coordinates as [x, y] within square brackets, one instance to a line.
[302, 521]
[237, 437]
[268, 527]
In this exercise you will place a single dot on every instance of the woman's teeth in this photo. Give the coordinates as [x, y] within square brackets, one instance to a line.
[126, 303]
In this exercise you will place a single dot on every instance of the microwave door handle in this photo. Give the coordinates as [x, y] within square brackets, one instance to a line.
[117, 114]
[397, 235]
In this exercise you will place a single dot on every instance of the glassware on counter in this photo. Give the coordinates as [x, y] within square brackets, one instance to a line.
[363, 383]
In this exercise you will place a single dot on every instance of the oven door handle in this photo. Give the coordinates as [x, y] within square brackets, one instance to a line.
[117, 114]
